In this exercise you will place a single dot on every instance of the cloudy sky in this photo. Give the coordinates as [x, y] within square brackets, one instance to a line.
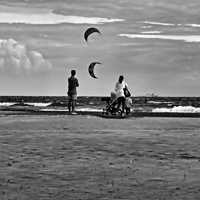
[155, 44]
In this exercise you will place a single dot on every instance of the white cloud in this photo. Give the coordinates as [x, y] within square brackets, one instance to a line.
[158, 23]
[151, 32]
[167, 24]
[193, 25]
[51, 18]
[146, 27]
[185, 38]
[16, 57]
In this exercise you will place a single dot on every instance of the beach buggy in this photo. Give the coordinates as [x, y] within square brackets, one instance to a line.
[112, 109]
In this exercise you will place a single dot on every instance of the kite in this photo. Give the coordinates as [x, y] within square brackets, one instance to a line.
[89, 31]
[91, 69]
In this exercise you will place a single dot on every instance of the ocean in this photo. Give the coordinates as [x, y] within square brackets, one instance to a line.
[88, 103]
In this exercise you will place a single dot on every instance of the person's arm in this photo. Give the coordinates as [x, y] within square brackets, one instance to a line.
[125, 85]
[68, 82]
[116, 87]
[68, 86]
[77, 84]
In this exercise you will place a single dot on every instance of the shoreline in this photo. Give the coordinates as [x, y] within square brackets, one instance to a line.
[98, 113]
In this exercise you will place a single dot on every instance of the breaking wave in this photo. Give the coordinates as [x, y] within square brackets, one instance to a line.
[178, 109]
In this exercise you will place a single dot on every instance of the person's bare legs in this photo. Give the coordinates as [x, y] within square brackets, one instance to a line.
[73, 105]
[121, 101]
[70, 105]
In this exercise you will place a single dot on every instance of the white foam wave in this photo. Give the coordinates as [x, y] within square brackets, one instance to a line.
[158, 23]
[159, 102]
[78, 109]
[7, 103]
[178, 109]
[39, 104]
[50, 18]
[31, 104]
[185, 38]
[89, 109]
[53, 110]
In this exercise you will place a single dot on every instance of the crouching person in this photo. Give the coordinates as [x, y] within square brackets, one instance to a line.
[128, 105]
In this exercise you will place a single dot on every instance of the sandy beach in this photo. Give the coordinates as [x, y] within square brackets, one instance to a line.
[58, 54]
[87, 157]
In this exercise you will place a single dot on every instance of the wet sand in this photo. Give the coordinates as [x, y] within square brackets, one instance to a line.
[86, 157]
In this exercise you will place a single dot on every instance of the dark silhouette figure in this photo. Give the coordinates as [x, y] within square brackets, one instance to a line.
[72, 92]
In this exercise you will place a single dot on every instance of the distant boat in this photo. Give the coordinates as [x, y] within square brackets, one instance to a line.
[151, 95]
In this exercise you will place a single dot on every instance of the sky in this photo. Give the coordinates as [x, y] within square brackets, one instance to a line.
[155, 44]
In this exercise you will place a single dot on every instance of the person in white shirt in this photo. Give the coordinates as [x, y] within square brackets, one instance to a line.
[119, 91]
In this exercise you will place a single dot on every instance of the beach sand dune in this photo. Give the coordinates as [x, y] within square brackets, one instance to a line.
[84, 157]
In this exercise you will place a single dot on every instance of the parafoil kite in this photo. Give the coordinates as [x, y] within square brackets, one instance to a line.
[89, 31]
[91, 69]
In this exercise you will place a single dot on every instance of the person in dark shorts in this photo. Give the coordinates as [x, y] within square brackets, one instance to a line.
[72, 92]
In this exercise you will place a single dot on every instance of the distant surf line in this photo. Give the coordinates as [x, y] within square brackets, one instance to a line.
[178, 109]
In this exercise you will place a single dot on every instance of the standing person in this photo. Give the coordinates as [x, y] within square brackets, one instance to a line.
[119, 90]
[72, 92]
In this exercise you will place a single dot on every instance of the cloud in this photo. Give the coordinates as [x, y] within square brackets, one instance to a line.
[185, 38]
[191, 76]
[193, 25]
[50, 18]
[169, 24]
[16, 57]
[158, 23]
[151, 32]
